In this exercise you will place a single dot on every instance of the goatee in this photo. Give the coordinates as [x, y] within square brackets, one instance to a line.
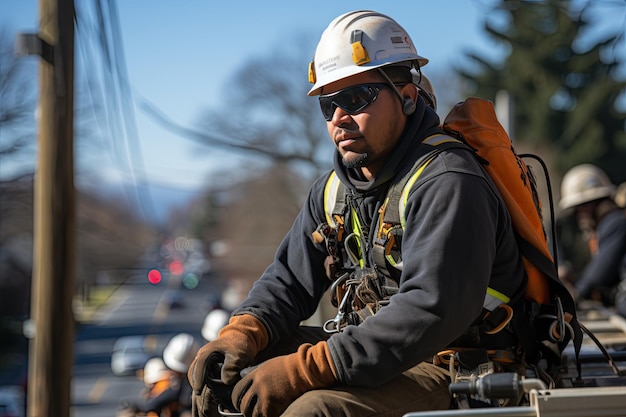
[357, 162]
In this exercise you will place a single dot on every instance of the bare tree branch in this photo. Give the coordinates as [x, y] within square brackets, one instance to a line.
[265, 113]
[17, 99]
[212, 140]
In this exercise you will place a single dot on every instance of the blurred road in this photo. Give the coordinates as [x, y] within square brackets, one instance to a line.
[135, 309]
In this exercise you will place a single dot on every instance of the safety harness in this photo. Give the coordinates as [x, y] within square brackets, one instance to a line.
[360, 290]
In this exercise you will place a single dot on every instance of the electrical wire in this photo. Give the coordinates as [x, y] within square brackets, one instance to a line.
[119, 124]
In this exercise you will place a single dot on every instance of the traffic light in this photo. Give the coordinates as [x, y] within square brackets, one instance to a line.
[176, 268]
[154, 276]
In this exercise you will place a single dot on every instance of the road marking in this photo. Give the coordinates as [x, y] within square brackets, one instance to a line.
[163, 308]
[96, 393]
[160, 313]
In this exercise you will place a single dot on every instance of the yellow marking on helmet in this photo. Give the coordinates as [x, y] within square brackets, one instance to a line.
[312, 77]
[359, 53]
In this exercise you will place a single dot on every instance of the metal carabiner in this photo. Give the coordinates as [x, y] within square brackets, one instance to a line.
[331, 326]
[557, 328]
[226, 413]
[338, 320]
[336, 287]
[361, 246]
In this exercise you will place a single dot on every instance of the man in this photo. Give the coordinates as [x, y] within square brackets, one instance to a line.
[587, 193]
[168, 392]
[158, 381]
[458, 235]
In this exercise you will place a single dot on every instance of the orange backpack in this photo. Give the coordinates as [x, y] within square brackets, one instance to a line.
[474, 122]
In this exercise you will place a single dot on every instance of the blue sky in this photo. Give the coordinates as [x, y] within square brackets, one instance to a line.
[180, 55]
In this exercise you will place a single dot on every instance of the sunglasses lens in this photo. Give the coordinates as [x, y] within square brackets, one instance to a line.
[352, 100]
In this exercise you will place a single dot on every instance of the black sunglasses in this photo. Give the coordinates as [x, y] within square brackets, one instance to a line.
[351, 99]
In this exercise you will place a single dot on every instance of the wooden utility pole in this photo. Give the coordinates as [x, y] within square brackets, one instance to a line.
[51, 349]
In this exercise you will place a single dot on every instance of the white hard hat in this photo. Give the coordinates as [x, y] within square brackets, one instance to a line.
[180, 352]
[154, 371]
[620, 195]
[427, 90]
[213, 323]
[360, 41]
[584, 183]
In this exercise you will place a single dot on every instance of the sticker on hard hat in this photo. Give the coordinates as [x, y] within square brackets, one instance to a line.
[329, 64]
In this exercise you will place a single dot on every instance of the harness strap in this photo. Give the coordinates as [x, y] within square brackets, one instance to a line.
[335, 196]
[439, 143]
[391, 220]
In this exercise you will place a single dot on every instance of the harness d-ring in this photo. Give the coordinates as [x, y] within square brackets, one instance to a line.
[354, 258]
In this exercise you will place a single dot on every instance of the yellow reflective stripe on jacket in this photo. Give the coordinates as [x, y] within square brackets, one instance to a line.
[356, 230]
[433, 141]
[330, 197]
[405, 193]
[494, 298]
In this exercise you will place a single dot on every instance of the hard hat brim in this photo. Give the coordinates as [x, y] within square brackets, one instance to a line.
[587, 196]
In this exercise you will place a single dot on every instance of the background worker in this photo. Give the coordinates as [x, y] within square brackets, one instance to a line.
[587, 193]
[458, 232]
[620, 195]
[178, 355]
[156, 378]
[213, 323]
[158, 398]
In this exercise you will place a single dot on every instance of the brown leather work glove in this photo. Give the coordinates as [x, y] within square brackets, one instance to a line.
[273, 385]
[235, 348]
[203, 405]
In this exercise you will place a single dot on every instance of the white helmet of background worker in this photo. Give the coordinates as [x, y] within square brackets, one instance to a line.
[213, 323]
[360, 41]
[154, 371]
[426, 88]
[583, 184]
[180, 352]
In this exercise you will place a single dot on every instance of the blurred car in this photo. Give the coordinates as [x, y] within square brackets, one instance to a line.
[12, 402]
[129, 355]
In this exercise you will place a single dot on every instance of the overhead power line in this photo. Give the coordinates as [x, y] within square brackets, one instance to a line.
[119, 125]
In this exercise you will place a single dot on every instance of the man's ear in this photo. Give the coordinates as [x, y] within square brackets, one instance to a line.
[409, 93]
[410, 90]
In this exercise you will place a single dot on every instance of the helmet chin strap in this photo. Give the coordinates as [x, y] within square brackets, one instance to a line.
[408, 105]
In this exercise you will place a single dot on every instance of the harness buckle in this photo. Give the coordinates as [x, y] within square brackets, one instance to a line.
[496, 320]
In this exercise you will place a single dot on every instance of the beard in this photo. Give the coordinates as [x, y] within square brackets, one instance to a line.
[359, 161]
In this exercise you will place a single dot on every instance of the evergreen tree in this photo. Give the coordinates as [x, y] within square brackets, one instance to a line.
[564, 95]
